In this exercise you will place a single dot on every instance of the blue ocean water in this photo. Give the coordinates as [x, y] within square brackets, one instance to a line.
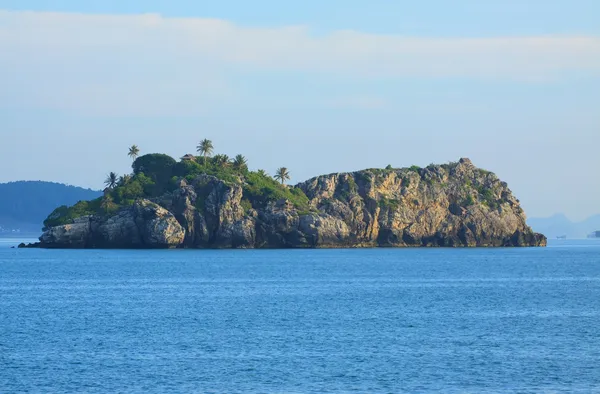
[378, 320]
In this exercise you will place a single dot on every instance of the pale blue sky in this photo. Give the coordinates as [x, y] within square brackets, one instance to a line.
[424, 17]
[317, 86]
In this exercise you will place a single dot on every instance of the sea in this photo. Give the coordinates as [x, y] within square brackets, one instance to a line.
[301, 321]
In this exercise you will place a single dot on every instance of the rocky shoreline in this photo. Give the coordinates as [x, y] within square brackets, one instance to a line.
[453, 205]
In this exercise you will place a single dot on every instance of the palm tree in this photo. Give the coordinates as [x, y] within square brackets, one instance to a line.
[221, 160]
[111, 180]
[134, 152]
[282, 174]
[240, 162]
[262, 173]
[124, 179]
[107, 203]
[205, 148]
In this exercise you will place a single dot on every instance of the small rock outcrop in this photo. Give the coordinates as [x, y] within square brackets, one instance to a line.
[452, 205]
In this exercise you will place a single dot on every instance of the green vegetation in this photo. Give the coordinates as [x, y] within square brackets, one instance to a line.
[352, 185]
[158, 167]
[205, 148]
[156, 174]
[378, 171]
[124, 179]
[390, 204]
[187, 168]
[111, 180]
[363, 176]
[138, 186]
[379, 175]
[221, 160]
[218, 166]
[487, 196]
[107, 204]
[240, 163]
[282, 174]
[468, 201]
[134, 152]
[246, 204]
[260, 189]
[346, 190]
[492, 204]
[64, 214]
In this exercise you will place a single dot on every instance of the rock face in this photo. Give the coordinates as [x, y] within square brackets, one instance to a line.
[144, 225]
[452, 205]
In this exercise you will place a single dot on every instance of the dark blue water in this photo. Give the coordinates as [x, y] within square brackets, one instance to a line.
[412, 320]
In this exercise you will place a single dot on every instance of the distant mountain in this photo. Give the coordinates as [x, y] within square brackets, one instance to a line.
[24, 205]
[559, 225]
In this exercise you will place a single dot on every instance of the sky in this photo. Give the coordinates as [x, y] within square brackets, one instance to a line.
[315, 86]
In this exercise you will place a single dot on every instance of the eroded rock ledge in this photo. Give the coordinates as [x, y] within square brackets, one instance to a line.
[452, 205]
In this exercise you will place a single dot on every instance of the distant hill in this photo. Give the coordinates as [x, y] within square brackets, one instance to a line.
[559, 225]
[24, 205]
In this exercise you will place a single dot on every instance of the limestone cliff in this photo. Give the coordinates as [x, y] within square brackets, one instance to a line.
[451, 205]
[144, 225]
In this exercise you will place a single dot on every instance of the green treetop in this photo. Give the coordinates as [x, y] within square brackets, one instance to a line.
[134, 152]
[282, 174]
[205, 148]
[111, 180]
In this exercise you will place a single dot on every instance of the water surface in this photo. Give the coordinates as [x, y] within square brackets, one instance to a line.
[379, 320]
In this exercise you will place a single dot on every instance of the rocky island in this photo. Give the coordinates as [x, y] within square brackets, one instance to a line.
[213, 202]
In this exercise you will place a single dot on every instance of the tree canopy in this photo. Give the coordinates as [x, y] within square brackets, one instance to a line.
[282, 174]
[156, 174]
[111, 180]
[240, 162]
[205, 148]
[134, 152]
[158, 166]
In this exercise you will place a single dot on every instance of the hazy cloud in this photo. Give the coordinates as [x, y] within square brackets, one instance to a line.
[295, 48]
[135, 64]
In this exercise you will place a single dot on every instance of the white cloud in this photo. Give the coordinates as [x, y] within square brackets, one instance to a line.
[139, 63]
